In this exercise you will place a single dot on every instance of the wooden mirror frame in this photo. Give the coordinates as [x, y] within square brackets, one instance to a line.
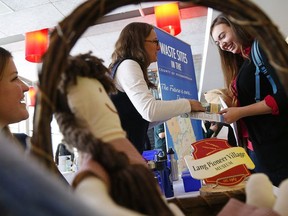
[69, 30]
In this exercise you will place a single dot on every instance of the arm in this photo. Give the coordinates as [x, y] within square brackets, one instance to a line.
[161, 135]
[129, 78]
[278, 101]
[160, 131]
[232, 114]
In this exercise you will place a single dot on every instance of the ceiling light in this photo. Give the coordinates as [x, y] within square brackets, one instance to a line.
[168, 18]
[36, 44]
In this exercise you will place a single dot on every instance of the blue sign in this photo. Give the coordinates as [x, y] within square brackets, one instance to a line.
[177, 76]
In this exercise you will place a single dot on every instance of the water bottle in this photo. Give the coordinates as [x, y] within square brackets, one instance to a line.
[165, 175]
[173, 164]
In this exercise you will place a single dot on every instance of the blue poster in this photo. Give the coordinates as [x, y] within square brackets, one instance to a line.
[177, 80]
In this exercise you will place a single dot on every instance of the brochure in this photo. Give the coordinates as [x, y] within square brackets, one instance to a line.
[208, 116]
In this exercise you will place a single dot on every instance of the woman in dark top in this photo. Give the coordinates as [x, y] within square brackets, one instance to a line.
[135, 49]
[267, 120]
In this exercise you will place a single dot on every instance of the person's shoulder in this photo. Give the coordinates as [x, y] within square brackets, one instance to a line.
[129, 62]
[130, 66]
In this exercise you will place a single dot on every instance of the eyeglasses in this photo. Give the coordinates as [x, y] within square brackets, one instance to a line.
[153, 41]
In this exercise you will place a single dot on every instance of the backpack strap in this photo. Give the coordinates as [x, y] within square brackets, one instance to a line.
[114, 68]
[260, 68]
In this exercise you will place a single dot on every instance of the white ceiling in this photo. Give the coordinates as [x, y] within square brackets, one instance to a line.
[20, 16]
[28, 15]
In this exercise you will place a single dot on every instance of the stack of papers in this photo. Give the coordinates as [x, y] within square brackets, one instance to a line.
[208, 116]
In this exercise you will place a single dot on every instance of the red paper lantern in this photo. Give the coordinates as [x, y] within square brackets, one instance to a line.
[168, 18]
[36, 45]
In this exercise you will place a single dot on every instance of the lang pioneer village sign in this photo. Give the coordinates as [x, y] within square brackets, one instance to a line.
[216, 162]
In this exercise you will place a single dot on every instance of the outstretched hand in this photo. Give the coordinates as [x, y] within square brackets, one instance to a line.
[231, 114]
[196, 106]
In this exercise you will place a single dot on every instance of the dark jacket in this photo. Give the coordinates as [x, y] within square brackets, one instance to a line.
[131, 121]
[267, 132]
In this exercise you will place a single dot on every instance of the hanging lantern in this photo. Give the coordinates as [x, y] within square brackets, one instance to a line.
[36, 45]
[168, 18]
[32, 96]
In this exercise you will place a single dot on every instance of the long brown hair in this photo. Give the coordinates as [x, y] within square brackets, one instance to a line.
[231, 62]
[131, 185]
[5, 55]
[130, 45]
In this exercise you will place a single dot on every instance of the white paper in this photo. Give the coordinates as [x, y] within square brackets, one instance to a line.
[233, 125]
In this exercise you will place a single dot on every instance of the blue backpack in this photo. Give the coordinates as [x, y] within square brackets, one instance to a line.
[260, 68]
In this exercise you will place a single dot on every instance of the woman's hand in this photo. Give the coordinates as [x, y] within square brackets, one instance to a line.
[196, 106]
[231, 114]
[214, 126]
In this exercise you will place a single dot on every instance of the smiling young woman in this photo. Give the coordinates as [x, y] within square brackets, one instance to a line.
[263, 121]
[12, 89]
